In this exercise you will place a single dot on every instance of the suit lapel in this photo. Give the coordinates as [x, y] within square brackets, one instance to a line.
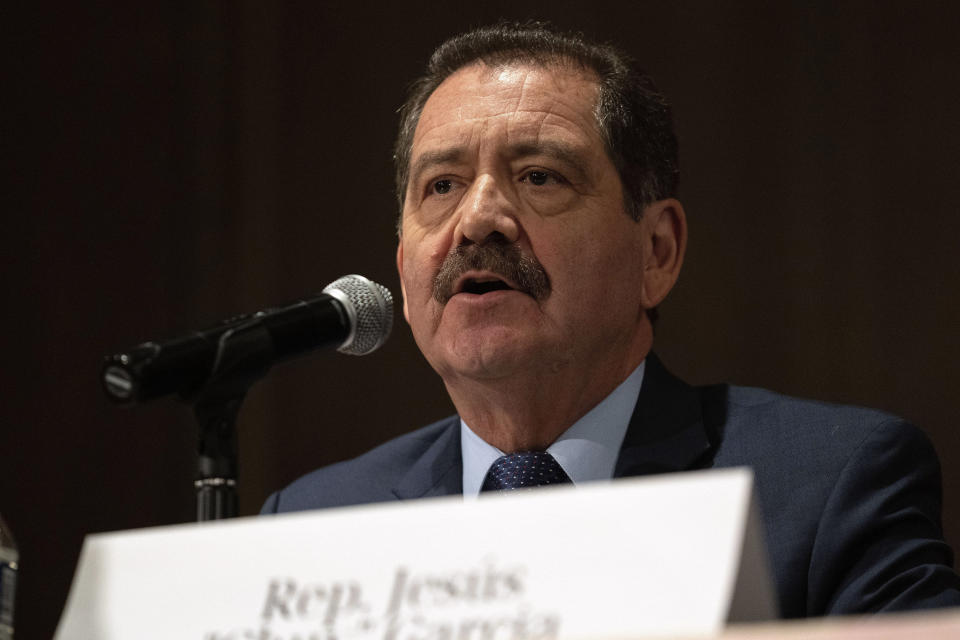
[439, 471]
[666, 432]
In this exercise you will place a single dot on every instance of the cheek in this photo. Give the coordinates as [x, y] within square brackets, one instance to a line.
[422, 258]
[591, 265]
[415, 281]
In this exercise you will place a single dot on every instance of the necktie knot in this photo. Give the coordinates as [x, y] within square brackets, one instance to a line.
[524, 469]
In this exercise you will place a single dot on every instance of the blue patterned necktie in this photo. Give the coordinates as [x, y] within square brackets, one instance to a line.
[522, 470]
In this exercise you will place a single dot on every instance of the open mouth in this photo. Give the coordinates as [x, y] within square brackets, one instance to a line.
[490, 267]
[479, 285]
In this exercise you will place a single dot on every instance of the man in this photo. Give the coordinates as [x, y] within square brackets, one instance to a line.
[539, 231]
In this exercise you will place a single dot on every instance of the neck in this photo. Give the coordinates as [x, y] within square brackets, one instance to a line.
[531, 409]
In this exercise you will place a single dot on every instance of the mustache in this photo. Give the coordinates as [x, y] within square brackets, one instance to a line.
[501, 258]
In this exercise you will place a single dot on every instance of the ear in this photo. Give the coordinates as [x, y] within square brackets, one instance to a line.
[403, 288]
[665, 243]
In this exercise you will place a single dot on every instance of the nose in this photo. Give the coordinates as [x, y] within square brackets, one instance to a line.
[485, 211]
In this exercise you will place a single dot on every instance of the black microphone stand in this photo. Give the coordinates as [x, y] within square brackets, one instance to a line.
[244, 355]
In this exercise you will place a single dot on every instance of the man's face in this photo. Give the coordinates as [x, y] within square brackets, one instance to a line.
[516, 251]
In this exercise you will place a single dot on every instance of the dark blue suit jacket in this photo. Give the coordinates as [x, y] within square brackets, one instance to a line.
[850, 497]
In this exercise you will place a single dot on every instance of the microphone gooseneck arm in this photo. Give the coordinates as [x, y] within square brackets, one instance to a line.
[244, 355]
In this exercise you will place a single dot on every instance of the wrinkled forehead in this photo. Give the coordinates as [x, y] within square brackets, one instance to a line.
[515, 93]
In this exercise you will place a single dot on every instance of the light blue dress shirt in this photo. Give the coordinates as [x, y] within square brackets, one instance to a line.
[587, 451]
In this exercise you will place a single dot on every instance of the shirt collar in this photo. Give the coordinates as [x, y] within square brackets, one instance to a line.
[587, 451]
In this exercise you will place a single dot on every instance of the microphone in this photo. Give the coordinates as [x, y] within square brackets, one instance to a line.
[352, 314]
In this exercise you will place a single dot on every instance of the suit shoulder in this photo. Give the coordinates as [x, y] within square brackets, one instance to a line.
[370, 477]
[786, 417]
[785, 439]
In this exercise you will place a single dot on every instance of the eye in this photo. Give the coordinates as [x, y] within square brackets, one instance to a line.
[541, 178]
[442, 186]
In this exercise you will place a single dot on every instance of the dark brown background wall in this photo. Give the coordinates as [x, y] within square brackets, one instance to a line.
[174, 163]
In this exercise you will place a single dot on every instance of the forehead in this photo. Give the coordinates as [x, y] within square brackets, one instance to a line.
[514, 100]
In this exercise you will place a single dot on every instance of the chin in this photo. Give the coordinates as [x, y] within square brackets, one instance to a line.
[486, 354]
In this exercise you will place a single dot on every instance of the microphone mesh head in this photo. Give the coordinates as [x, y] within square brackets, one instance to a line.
[371, 313]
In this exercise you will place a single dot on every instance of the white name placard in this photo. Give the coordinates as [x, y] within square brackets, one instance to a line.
[665, 555]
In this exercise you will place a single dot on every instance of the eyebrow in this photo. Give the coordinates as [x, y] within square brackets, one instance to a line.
[568, 155]
[433, 158]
